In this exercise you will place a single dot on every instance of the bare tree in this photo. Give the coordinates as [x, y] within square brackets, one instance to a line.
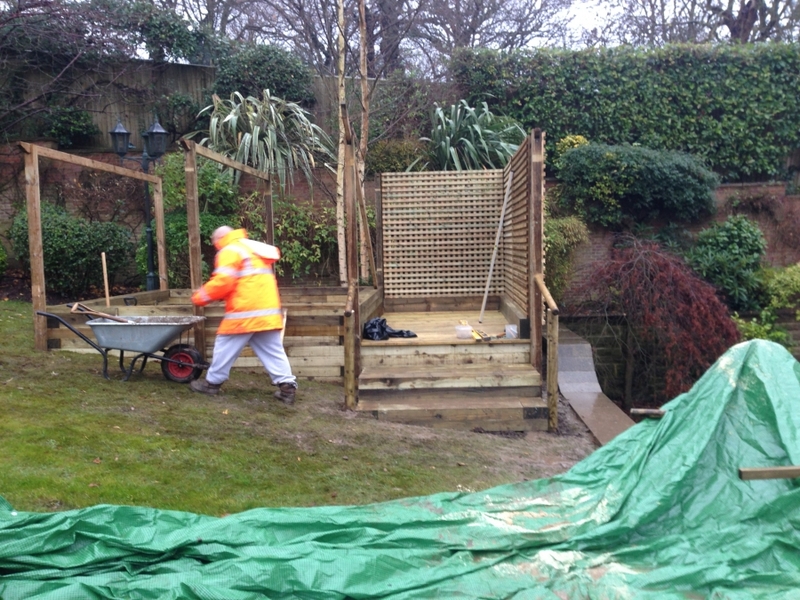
[659, 22]
[448, 25]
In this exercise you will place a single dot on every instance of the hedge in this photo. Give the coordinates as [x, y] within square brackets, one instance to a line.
[737, 106]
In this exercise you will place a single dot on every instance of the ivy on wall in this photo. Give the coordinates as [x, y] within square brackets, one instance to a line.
[737, 107]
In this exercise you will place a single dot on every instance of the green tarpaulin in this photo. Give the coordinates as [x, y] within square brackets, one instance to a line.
[659, 512]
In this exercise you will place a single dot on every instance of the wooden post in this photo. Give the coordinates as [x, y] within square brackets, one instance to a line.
[362, 207]
[351, 346]
[552, 370]
[378, 233]
[38, 293]
[269, 215]
[161, 238]
[536, 242]
[193, 222]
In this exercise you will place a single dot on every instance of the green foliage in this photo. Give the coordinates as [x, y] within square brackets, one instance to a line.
[176, 234]
[268, 133]
[616, 186]
[561, 236]
[306, 238]
[3, 260]
[728, 255]
[216, 188]
[762, 327]
[72, 247]
[464, 138]
[735, 106]
[251, 69]
[393, 156]
[782, 287]
[70, 126]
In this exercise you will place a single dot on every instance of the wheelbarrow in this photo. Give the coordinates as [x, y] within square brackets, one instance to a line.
[145, 337]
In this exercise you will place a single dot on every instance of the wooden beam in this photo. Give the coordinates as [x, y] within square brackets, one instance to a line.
[379, 232]
[193, 221]
[653, 413]
[747, 474]
[88, 162]
[38, 293]
[161, 238]
[224, 160]
[552, 371]
[362, 207]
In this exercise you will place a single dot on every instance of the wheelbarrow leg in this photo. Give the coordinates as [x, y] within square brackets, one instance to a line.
[129, 370]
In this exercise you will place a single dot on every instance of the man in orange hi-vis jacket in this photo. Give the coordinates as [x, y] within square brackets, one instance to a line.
[244, 277]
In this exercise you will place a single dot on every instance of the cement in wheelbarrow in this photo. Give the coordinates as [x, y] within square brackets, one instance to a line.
[140, 334]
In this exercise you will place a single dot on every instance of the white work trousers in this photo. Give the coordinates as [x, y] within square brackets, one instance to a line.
[267, 346]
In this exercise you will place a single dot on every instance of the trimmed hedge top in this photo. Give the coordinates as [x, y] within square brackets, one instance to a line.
[737, 107]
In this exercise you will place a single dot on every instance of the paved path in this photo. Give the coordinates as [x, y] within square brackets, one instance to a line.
[578, 383]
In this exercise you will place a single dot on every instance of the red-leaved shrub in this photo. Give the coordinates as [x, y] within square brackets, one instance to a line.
[677, 321]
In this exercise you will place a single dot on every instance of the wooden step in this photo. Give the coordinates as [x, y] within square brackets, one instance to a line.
[449, 377]
[501, 409]
[445, 354]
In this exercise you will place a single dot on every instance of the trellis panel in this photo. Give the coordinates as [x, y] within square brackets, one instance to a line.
[439, 230]
[515, 229]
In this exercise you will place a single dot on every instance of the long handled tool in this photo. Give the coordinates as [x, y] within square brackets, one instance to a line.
[77, 307]
[496, 243]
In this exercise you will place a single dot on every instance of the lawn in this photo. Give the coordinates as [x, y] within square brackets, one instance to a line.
[72, 439]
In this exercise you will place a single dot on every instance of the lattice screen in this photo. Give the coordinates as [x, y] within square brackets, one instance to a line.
[439, 230]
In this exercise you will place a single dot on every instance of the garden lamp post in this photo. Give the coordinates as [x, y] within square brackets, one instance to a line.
[155, 144]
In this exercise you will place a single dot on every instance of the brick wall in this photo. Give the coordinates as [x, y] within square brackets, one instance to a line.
[783, 248]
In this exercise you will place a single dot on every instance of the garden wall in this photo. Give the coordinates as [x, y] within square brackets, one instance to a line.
[776, 213]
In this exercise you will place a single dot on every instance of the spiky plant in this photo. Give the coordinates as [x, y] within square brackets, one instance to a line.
[464, 138]
[267, 133]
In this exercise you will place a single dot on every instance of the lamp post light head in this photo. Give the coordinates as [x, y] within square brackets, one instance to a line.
[120, 139]
[155, 140]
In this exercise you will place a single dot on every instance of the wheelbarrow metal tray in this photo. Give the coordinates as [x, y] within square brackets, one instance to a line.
[141, 334]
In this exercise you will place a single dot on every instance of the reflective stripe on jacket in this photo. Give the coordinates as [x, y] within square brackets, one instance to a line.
[244, 277]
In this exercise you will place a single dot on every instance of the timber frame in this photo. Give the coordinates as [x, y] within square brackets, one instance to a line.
[434, 237]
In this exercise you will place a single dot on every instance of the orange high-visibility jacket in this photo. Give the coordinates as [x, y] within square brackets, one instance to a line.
[245, 278]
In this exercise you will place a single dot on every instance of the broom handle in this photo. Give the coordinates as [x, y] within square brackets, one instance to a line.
[105, 277]
[496, 244]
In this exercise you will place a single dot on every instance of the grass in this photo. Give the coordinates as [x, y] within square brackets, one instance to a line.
[72, 439]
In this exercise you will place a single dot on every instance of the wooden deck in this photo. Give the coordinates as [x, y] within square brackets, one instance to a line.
[439, 380]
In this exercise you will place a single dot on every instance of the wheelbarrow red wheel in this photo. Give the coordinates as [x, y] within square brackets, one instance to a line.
[186, 372]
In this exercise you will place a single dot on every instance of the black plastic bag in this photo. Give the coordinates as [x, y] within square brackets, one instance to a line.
[377, 329]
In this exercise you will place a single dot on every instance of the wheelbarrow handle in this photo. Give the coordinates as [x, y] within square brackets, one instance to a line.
[73, 330]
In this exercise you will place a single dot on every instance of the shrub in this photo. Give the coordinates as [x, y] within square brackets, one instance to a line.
[678, 323]
[782, 287]
[762, 327]
[216, 189]
[561, 236]
[255, 68]
[616, 186]
[72, 247]
[176, 239]
[3, 260]
[394, 156]
[685, 97]
[306, 238]
[70, 126]
[728, 255]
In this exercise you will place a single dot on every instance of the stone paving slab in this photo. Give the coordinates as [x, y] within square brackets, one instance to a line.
[578, 384]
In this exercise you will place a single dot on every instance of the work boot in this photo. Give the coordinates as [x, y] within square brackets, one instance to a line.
[203, 387]
[286, 393]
